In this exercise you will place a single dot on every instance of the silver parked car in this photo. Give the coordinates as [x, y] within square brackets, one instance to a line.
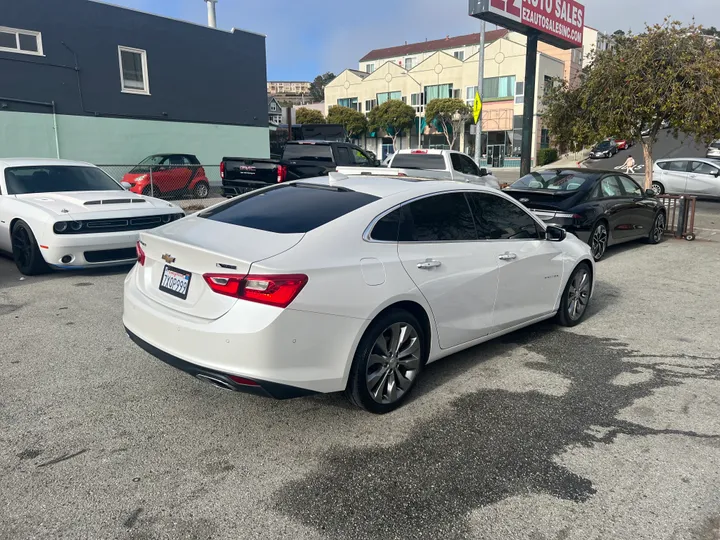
[713, 150]
[687, 176]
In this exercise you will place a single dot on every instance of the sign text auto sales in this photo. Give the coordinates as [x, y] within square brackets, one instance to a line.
[561, 18]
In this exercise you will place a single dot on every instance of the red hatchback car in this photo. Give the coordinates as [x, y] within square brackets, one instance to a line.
[172, 175]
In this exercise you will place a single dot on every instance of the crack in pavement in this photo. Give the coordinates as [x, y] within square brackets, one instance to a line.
[490, 445]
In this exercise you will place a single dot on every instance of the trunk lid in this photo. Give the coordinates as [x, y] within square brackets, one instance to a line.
[549, 200]
[198, 246]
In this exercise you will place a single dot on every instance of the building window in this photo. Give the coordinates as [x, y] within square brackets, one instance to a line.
[460, 55]
[369, 105]
[544, 138]
[351, 103]
[370, 68]
[133, 71]
[499, 87]
[273, 107]
[519, 93]
[547, 84]
[409, 63]
[470, 95]
[20, 41]
[438, 91]
[418, 102]
[387, 96]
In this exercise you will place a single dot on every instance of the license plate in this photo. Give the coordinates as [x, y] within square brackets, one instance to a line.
[175, 282]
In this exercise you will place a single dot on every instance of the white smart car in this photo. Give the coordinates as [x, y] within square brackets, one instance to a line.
[68, 214]
[348, 283]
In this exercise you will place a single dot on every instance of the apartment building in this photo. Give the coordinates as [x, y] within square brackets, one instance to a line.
[593, 41]
[288, 87]
[437, 72]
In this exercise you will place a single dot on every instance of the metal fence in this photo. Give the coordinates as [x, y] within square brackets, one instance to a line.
[171, 182]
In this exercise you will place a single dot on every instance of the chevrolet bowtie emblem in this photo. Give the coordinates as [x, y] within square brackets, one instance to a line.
[168, 258]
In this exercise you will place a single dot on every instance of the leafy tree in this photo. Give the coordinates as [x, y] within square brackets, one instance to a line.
[669, 72]
[451, 113]
[317, 87]
[309, 116]
[393, 117]
[353, 121]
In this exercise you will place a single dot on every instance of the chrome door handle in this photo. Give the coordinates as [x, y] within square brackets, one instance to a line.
[507, 256]
[429, 264]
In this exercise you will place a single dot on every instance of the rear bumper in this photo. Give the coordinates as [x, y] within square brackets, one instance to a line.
[279, 348]
[220, 379]
[232, 188]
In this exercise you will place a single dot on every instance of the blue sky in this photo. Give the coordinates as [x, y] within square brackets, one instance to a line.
[314, 36]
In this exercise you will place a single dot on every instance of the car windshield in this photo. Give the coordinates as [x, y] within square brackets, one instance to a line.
[603, 145]
[553, 181]
[49, 179]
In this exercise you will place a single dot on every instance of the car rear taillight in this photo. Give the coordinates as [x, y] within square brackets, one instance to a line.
[419, 152]
[140, 253]
[282, 173]
[242, 380]
[222, 169]
[278, 291]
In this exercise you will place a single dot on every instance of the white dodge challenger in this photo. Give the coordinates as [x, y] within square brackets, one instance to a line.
[67, 214]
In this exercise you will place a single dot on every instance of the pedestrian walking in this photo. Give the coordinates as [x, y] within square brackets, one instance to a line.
[629, 165]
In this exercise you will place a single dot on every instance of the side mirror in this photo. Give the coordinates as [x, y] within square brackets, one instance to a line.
[555, 234]
[125, 185]
[717, 174]
[483, 171]
[650, 193]
[378, 162]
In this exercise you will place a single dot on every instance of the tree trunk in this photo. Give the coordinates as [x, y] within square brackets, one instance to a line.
[647, 153]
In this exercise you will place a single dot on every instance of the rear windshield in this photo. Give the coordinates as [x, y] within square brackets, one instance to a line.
[53, 178]
[289, 208]
[553, 180]
[308, 152]
[434, 162]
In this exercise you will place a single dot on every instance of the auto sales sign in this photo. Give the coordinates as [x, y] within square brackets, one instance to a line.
[558, 22]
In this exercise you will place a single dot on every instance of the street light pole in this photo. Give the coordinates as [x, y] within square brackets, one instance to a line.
[481, 76]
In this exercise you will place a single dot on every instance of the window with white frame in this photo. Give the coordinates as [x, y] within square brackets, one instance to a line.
[133, 70]
[519, 93]
[20, 41]
[409, 63]
[370, 68]
[273, 107]
[460, 55]
[470, 95]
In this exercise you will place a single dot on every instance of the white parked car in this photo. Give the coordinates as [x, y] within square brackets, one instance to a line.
[713, 150]
[348, 283]
[68, 214]
[687, 176]
[443, 165]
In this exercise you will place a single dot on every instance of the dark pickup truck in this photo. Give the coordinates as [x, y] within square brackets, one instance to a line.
[300, 159]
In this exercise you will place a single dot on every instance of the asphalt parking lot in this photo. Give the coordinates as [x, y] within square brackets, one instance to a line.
[608, 430]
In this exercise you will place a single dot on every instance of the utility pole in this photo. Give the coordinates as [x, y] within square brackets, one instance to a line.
[529, 104]
[481, 76]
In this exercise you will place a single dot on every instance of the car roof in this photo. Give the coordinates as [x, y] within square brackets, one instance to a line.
[386, 186]
[39, 162]
[696, 158]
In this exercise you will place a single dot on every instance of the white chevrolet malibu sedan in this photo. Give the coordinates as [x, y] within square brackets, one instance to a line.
[348, 283]
[62, 214]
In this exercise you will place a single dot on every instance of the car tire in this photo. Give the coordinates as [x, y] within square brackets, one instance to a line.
[658, 188]
[201, 190]
[599, 239]
[657, 232]
[394, 348]
[25, 250]
[576, 296]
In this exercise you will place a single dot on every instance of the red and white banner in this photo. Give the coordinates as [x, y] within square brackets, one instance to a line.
[562, 19]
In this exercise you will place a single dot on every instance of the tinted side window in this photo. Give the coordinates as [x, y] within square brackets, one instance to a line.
[387, 229]
[456, 163]
[441, 218]
[662, 164]
[630, 187]
[499, 219]
[343, 156]
[610, 187]
[289, 208]
[469, 165]
[700, 167]
[676, 166]
[359, 157]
